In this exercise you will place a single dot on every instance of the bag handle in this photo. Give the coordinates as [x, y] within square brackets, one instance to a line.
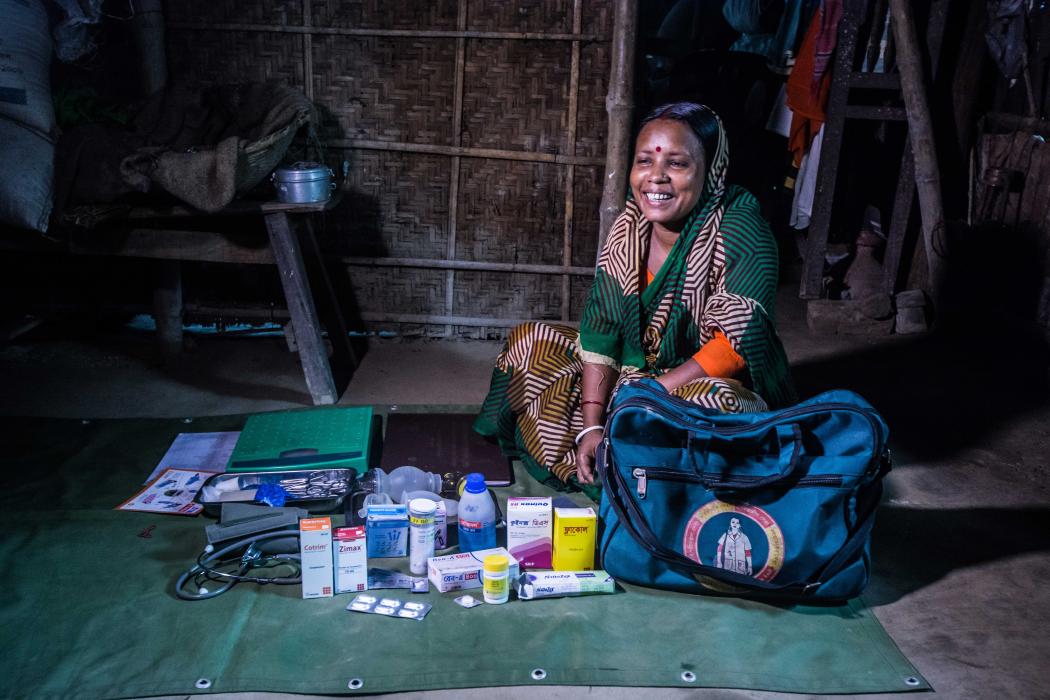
[633, 519]
[789, 442]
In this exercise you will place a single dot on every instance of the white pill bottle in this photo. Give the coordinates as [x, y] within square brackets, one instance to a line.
[421, 525]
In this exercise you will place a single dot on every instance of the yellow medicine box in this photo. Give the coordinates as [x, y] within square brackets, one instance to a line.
[574, 533]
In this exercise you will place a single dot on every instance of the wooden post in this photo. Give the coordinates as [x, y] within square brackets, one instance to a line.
[148, 32]
[167, 307]
[920, 132]
[313, 353]
[619, 104]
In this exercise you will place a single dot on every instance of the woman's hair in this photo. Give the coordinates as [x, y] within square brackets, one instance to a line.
[699, 118]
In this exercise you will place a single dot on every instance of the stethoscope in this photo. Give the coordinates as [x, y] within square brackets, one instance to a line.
[253, 558]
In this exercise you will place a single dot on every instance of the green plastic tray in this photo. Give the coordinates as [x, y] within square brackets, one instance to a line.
[334, 438]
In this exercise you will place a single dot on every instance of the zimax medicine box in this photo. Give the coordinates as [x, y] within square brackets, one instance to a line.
[351, 560]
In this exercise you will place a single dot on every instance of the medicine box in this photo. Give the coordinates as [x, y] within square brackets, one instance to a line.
[574, 533]
[351, 560]
[315, 550]
[529, 528]
[463, 570]
[387, 530]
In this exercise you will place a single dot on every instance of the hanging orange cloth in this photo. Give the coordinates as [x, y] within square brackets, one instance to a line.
[806, 100]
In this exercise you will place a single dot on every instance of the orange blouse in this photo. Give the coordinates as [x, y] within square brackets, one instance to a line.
[716, 357]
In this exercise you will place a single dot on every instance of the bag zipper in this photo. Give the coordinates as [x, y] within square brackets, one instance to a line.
[643, 474]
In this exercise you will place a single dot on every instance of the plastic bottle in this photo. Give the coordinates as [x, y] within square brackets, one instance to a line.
[421, 533]
[477, 516]
[494, 579]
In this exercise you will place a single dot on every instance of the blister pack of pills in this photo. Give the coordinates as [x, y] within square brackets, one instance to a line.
[467, 601]
[390, 607]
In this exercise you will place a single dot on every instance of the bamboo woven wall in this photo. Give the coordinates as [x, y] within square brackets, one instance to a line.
[475, 132]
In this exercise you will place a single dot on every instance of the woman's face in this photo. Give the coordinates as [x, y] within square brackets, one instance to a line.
[668, 172]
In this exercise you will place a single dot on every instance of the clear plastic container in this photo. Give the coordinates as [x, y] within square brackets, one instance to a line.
[406, 478]
[477, 516]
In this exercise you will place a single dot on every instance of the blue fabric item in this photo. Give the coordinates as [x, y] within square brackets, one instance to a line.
[776, 504]
[271, 494]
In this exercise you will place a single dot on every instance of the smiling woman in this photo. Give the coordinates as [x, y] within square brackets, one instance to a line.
[683, 294]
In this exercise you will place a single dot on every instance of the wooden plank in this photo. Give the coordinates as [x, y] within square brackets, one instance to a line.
[876, 113]
[434, 319]
[831, 149]
[330, 309]
[435, 264]
[466, 152]
[312, 351]
[238, 207]
[898, 230]
[167, 244]
[875, 81]
[402, 33]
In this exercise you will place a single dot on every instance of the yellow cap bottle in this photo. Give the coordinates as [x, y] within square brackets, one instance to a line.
[495, 579]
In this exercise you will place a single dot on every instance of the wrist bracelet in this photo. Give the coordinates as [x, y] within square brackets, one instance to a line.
[587, 430]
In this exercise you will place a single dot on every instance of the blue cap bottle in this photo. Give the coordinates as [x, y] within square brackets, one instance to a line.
[477, 516]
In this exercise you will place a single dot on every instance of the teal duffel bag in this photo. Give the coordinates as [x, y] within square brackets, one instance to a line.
[777, 504]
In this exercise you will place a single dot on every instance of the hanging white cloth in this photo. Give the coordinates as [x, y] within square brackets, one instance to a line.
[806, 183]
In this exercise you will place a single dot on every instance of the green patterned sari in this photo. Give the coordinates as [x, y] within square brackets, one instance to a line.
[720, 275]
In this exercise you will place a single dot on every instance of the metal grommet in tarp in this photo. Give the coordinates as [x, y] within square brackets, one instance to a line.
[355, 684]
[202, 684]
[912, 681]
[538, 674]
[688, 676]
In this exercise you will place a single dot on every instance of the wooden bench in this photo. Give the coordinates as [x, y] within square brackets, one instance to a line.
[293, 248]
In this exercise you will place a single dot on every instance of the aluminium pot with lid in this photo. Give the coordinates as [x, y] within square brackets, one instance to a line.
[303, 182]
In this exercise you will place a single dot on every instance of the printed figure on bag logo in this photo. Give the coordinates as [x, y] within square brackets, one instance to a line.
[736, 537]
[734, 550]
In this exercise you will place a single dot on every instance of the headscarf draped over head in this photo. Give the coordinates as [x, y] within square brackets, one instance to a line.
[720, 275]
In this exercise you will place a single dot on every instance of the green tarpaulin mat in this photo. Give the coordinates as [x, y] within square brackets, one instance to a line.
[88, 608]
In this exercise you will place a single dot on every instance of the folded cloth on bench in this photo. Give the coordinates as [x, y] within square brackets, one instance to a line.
[203, 147]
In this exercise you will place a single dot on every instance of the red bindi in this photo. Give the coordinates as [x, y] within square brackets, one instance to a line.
[658, 149]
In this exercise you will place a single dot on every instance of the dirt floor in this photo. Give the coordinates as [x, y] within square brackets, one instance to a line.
[962, 544]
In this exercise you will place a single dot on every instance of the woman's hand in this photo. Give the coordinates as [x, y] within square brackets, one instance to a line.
[681, 375]
[585, 467]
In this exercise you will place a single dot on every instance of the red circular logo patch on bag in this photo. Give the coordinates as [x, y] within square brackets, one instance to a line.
[736, 537]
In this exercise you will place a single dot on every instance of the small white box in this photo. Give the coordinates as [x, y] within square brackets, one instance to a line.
[529, 526]
[351, 560]
[315, 549]
[387, 529]
[458, 571]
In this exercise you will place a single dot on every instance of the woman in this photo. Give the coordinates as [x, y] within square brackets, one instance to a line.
[683, 293]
